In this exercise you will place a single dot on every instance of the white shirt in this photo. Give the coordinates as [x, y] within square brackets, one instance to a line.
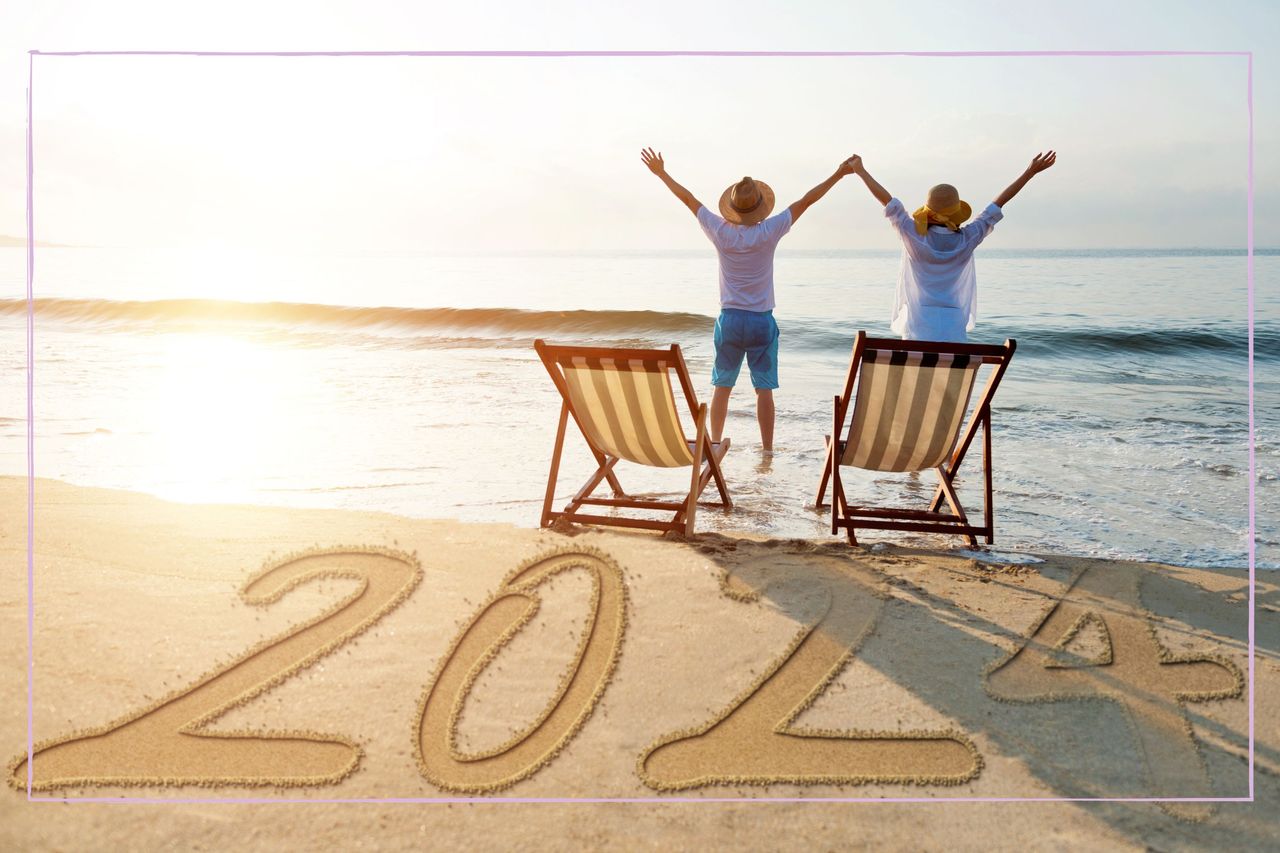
[937, 298]
[746, 258]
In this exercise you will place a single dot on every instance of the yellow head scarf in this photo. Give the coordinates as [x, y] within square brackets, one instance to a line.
[949, 216]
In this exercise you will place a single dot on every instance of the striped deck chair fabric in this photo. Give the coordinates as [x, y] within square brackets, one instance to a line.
[910, 407]
[913, 411]
[627, 409]
[623, 402]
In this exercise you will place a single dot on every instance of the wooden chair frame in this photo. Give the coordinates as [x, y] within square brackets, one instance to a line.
[707, 454]
[851, 516]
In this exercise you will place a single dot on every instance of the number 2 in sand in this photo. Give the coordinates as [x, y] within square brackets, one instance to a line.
[755, 742]
[166, 744]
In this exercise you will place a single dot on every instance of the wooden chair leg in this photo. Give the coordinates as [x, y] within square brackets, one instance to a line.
[832, 469]
[839, 500]
[696, 476]
[555, 465]
[613, 480]
[713, 462]
[840, 509]
[935, 503]
[988, 509]
[954, 500]
[605, 471]
[842, 402]
[825, 479]
[706, 475]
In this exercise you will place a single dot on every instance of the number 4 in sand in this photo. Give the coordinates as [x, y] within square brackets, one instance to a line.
[1130, 668]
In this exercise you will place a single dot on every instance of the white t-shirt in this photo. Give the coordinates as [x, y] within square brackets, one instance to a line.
[746, 258]
[937, 297]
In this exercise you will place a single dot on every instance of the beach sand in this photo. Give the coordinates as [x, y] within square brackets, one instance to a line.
[650, 668]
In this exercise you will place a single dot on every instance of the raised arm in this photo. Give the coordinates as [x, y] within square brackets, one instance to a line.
[1039, 163]
[819, 191]
[655, 164]
[882, 195]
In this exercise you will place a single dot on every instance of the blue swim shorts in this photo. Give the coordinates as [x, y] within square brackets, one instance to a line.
[750, 333]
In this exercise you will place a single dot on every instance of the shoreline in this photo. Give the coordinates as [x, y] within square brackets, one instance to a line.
[1165, 478]
[878, 539]
[906, 664]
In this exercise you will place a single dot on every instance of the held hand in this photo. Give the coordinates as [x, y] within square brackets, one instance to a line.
[1040, 162]
[653, 161]
[852, 166]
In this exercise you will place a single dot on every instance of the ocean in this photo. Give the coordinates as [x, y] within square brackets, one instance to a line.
[408, 384]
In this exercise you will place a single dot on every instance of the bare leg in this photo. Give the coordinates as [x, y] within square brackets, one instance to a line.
[719, 411]
[764, 416]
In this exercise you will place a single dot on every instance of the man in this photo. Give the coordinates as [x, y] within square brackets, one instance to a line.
[745, 237]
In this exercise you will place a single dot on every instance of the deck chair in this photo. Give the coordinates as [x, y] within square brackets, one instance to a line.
[621, 400]
[907, 416]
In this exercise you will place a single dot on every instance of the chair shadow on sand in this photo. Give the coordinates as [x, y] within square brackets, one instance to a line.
[1120, 728]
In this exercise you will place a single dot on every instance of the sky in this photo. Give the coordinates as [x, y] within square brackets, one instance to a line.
[449, 154]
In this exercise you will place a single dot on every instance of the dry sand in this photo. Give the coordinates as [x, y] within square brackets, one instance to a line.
[193, 651]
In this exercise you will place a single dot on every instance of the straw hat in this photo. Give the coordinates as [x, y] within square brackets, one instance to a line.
[943, 207]
[746, 202]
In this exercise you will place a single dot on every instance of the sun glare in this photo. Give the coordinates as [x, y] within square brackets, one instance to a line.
[220, 415]
[232, 273]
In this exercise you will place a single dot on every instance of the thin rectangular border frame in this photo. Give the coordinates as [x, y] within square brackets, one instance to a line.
[31, 54]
